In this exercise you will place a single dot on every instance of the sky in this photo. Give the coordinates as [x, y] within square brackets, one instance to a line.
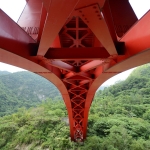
[14, 8]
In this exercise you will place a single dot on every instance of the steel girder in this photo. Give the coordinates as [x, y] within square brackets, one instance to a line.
[77, 45]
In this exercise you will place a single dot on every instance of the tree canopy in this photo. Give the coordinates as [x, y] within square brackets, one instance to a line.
[119, 119]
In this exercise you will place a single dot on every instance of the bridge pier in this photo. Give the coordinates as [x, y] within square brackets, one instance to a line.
[77, 45]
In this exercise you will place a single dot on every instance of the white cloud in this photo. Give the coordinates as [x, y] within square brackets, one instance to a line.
[120, 77]
[9, 68]
[140, 7]
[12, 8]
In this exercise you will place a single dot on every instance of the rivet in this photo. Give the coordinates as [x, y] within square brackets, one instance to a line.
[96, 11]
[80, 11]
[85, 18]
[94, 7]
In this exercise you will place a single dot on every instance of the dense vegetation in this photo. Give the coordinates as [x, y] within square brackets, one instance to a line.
[119, 119]
[23, 89]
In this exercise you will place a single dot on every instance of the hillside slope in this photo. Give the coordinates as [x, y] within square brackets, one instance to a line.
[135, 88]
[119, 119]
[23, 89]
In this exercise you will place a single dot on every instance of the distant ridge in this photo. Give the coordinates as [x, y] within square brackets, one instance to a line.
[4, 73]
[136, 86]
[24, 89]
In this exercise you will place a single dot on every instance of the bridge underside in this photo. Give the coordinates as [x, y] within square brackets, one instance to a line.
[77, 45]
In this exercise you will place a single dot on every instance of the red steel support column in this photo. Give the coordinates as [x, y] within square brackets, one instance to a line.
[74, 44]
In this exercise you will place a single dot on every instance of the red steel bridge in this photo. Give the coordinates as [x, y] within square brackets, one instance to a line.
[77, 45]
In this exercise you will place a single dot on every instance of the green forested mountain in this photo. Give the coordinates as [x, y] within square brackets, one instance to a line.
[4, 73]
[23, 89]
[119, 119]
[136, 88]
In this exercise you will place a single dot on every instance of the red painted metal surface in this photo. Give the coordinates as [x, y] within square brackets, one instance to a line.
[77, 45]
